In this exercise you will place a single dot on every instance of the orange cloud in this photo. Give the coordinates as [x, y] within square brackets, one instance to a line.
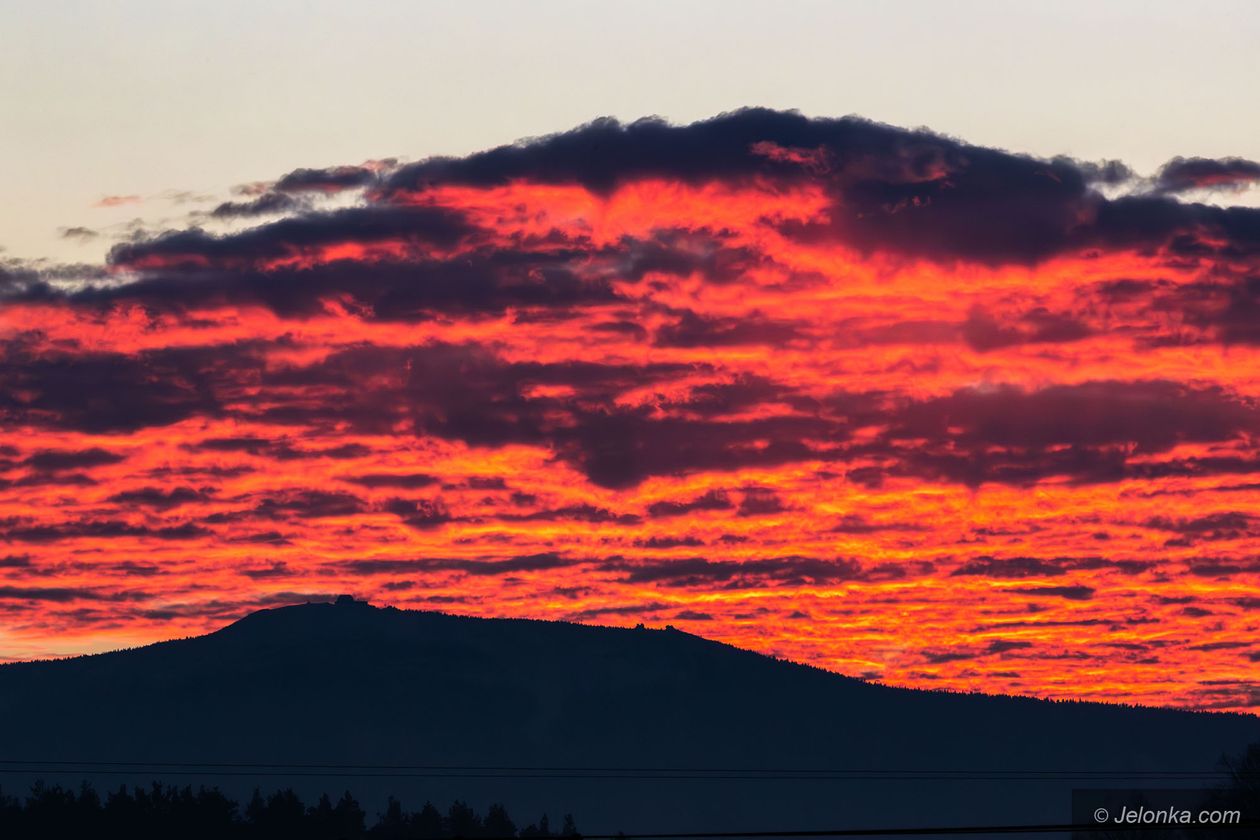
[117, 200]
[866, 398]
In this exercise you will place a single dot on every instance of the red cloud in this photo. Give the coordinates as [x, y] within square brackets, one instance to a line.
[874, 398]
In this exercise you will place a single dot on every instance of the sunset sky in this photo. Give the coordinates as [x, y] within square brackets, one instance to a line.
[863, 396]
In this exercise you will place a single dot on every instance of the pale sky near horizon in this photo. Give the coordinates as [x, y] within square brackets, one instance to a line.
[152, 99]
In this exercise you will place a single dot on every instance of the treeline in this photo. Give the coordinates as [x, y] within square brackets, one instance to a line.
[51, 812]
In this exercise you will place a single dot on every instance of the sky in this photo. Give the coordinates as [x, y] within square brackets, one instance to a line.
[169, 102]
[970, 406]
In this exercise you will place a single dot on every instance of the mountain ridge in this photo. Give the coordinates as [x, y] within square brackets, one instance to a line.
[351, 685]
[325, 610]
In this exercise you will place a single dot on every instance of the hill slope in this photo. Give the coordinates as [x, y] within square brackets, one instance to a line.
[352, 684]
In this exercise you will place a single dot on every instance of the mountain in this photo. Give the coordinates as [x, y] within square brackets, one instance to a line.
[349, 684]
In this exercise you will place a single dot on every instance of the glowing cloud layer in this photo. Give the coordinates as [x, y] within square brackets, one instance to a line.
[863, 397]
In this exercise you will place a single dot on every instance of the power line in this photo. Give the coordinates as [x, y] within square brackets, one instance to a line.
[466, 770]
[1061, 828]
[592, 773]
[519, 777]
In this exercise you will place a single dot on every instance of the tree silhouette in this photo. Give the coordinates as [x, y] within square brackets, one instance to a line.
[52, 812]
[498, 823]
[393, 824]
[1244, 788]
[542, 829]
[462, 821]
[1240, 793]
[428, 823]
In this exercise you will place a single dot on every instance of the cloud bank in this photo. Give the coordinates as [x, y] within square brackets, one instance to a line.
[862, 396]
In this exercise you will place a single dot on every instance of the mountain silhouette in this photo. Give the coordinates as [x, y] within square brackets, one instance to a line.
[357, 689]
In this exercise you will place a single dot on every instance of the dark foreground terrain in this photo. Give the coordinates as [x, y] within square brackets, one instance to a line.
[633, 730]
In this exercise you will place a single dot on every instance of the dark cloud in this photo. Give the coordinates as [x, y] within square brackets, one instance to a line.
[942, 657]
[487, 482]
[627, 328]
[16, 531]
[1012, 567]
[281, 448]
[267, 537]
[702, 572]
[905, 190]
[622, 448]
[984, 332]
[409, 481]
[1216, 567]
[331, 180]
[346, 451]
[50, 479]
[1229, 525]
[522, 563]
[574, 513]
[692, 330]
[1184, 174]
[1211, 646]
[265, 204]
[681, 253]
[21, 282]
[418, 228]
[852, 523]
[465, 393]
[157, 497]
[1225, 311]
[1087, 432]
[996, 647]
[1072, 593]
[60, 594]
[386, 566]
[308, 504]
[1184, 231]
[619, 609]
[422, 514]
[760, 501]
[252, 445]
[1110, 172]
[1151, 415]
[277, 569]
[407, 285]
[910, 192]
[738, 394]
[669, 542]
[53, 460]
[115, 392]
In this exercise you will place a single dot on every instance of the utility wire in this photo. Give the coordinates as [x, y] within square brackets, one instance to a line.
[1061, 828]
[286, 774]
[574, 772]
